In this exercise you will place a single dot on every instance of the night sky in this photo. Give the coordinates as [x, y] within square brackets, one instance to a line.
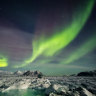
[56, 37]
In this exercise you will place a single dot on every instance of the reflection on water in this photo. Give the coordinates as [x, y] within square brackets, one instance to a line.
[28, 92]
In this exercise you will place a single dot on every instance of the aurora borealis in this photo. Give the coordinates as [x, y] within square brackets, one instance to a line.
[43, 35]
[45, 46]
[86, 47]
[3, 61]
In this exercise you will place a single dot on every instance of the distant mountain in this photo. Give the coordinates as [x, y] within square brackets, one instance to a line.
[18, 73]
[87, 73]
[33, 74]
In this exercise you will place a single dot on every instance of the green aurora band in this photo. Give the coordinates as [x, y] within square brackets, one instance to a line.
[3, 61]
[50, 46]
[85, 48]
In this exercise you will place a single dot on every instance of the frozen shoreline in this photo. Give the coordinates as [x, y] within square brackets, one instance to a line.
[51, 86]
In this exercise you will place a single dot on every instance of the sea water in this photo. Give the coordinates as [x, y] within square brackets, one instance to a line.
[28, 92]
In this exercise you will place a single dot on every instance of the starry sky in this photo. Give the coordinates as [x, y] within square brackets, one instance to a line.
[55, 37]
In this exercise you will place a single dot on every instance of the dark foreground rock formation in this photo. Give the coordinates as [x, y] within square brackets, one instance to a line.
[51, 86]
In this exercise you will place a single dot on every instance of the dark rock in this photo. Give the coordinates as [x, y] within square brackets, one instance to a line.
[33, 74]
[90, 73]
[40, 75]
[28, 73]
[3, 86]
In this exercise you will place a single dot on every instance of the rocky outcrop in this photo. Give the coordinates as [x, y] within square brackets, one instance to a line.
[33, 74]
[90, 73]
[18, 73]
